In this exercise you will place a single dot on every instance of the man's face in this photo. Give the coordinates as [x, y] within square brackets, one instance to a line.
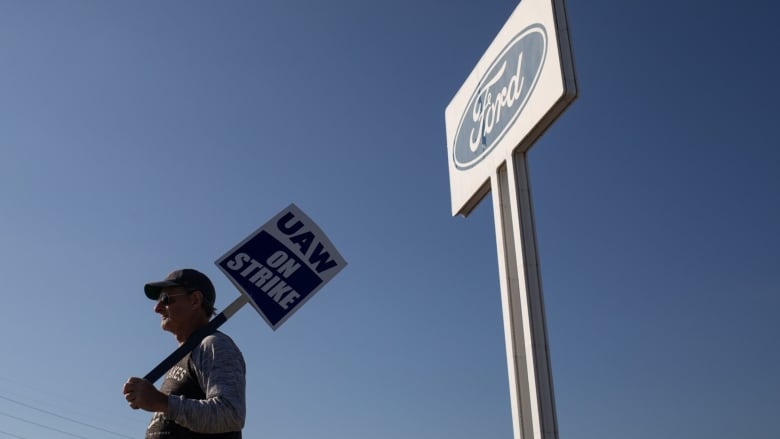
[175, 308]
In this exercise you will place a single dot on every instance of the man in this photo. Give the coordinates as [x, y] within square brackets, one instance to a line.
[203, 395]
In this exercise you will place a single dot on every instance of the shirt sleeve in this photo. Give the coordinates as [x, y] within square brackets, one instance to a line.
[221, 373]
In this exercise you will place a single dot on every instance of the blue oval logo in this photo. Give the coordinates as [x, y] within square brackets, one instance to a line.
[500, 96]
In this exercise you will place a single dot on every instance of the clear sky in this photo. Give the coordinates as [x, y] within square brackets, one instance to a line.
[140, 137]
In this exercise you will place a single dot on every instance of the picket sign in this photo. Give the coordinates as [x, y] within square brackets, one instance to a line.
[277, 269]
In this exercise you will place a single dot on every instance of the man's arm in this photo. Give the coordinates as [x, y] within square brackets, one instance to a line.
[221, 373]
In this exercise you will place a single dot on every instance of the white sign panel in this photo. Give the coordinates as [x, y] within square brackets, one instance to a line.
[521, 84]
[282, 264]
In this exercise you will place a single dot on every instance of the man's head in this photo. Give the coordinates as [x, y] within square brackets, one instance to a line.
[181, 298]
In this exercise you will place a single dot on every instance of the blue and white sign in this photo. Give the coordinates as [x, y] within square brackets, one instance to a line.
[500, 97]
[521, 84]
[282, 264]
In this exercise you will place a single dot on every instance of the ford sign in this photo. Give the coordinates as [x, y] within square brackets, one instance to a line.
[500, 97]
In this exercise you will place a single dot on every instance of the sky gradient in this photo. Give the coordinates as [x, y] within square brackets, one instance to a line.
[137, 138]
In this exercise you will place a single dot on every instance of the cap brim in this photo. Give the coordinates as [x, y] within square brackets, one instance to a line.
[153, 289]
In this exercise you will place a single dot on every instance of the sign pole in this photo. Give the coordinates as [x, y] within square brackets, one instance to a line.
[195, 339]
[525, 333]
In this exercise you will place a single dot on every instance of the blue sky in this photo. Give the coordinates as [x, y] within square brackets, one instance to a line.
[136, 138]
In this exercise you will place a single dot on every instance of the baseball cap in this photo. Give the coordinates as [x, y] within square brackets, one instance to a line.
[186, 277]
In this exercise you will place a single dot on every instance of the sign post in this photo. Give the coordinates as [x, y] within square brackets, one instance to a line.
[522, 83]
[277, 269]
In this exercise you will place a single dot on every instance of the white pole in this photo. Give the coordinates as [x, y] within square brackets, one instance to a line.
[525, 332]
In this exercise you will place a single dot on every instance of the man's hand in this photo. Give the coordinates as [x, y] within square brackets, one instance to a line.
[141, 394]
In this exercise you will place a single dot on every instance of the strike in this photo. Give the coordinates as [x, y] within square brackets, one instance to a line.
[266, 279]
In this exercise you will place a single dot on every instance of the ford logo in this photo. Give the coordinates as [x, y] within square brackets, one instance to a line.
[500, 97]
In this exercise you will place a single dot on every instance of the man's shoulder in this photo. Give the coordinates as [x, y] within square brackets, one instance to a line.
[216, 345]
[218, 340]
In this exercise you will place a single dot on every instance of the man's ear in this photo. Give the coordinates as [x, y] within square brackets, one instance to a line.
[197, 298]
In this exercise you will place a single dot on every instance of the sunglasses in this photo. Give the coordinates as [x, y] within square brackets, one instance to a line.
[165, 298]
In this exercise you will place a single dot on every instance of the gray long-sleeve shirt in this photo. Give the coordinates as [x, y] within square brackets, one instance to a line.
[218, 366]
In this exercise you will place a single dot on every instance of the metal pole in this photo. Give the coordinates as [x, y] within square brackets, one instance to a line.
[525, 332]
